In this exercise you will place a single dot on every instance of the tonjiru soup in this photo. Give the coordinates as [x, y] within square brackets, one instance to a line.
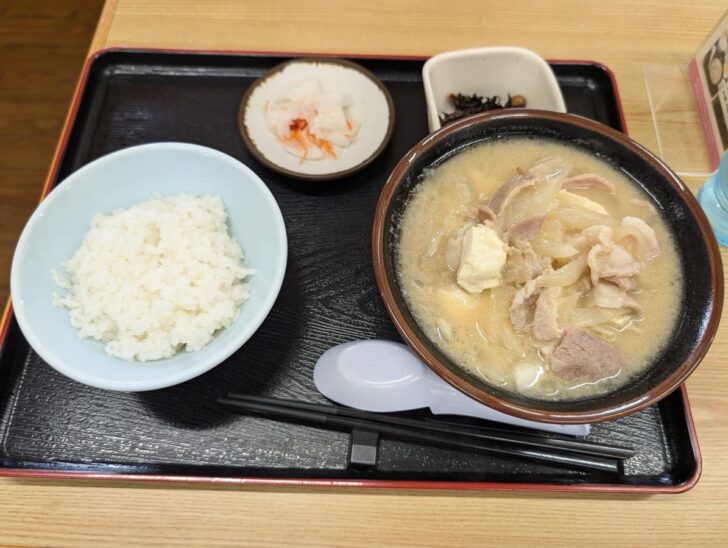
[539, 268]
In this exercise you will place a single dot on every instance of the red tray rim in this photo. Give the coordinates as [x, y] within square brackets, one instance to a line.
[688, 484]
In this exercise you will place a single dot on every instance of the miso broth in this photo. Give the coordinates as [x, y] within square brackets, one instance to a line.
[496, 332]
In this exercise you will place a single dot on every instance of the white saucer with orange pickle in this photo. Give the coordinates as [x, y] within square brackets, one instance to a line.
[317, 119]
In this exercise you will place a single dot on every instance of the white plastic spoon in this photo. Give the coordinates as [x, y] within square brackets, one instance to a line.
[384, 376]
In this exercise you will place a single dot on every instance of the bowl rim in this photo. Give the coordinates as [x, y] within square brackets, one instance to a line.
[47, 353]
[324, 177]
[597, 414]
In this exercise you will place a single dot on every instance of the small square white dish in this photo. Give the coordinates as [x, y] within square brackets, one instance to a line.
[489, 71]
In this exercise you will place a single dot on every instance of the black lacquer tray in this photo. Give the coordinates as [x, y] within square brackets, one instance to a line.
[51, 426]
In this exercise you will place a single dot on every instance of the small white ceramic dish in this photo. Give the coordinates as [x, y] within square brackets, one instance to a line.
[492, 71]
[119, 180]
[371, 107]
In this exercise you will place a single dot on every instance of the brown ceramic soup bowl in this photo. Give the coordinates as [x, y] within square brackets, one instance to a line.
[700, 261]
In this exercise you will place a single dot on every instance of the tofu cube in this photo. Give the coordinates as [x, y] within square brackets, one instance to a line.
[482, 259]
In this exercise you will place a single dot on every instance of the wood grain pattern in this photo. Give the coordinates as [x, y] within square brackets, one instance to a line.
[42, 47]
[624, 35]
[328, 297]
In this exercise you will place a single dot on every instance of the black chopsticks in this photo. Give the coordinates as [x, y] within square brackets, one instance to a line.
[532, 446]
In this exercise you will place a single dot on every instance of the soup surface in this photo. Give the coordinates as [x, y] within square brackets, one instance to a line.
[539, 268]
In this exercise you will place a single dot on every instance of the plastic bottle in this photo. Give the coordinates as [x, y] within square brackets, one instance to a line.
[713, 198]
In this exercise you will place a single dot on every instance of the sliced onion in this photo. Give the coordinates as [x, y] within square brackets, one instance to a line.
[552, 230]
[566, 275]
[532, 202]
[555, 250]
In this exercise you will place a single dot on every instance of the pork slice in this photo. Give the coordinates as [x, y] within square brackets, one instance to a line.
[532, 260]
[607, 295]
[545, 327]
[611, 261]
[525, 231]
[652, 248]
[588, 180]
[605, 235]
[522, 301]
[519, 316]
[628, 284]
[509, 190]
[484, 213]
[580, 355]
[523, 264]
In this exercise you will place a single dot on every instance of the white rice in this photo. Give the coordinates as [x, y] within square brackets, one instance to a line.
[159, 277]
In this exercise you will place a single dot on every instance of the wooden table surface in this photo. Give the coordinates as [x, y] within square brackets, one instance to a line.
[624, 35]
